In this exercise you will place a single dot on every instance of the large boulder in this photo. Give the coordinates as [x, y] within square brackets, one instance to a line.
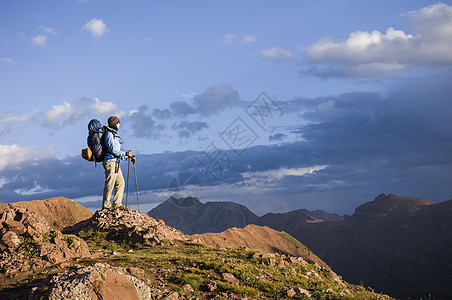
[100, 281]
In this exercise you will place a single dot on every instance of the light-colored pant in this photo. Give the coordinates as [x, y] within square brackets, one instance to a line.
[112, 180]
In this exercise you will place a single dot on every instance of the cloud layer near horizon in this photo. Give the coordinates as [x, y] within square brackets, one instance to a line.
[365, 143]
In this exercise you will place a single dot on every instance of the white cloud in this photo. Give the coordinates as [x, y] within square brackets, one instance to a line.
[23, 119]
[39, 40]
[48, 30]
[7, 60]
[249, 39]
[434, 22]
[15, 155]
[228, 38]
[281, 173]
[37, 189]
[58, 111]
[96, 27]
[103, 107]
[276, 54]
[69, 112]
[375, 53]
[188, 95]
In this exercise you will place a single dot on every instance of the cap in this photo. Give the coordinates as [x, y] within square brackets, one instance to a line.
[112, 121]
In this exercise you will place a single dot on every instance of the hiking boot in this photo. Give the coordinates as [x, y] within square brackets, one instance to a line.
[121, 207]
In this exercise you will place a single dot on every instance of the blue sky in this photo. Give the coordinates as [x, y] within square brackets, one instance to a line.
[356, 99]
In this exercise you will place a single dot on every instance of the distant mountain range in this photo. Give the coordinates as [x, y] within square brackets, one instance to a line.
[398, 245]
[191, 216]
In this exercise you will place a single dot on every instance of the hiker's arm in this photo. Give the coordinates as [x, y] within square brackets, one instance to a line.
[114, 148]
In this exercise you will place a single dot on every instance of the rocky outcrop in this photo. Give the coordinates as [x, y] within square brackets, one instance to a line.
[59, 212]
[191, 216]
[27, 244]
[129, 226]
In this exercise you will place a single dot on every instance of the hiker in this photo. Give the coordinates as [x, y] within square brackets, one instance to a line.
[113, 155]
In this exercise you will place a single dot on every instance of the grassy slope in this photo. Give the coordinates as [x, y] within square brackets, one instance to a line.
[172, 265]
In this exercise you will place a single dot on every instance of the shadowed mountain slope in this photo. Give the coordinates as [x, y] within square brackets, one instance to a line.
[191, 216]
[398, 245]
[289, 222]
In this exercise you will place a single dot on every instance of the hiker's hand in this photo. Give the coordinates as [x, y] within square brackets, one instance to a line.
[129, 153]
[133, 159]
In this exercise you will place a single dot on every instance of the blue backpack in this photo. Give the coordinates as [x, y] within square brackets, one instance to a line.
[95, 142]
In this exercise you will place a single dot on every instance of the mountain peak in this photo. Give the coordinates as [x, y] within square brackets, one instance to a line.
[184, 202]
[385, 203]
[191, 216]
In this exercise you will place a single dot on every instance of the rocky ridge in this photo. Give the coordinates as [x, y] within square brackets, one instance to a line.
[128, 225]
[28, 244]
[59, 212]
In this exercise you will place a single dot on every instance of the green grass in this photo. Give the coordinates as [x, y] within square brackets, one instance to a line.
[292, 239]
[197, 265]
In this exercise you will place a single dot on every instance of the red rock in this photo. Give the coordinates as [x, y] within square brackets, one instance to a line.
[230, 278]
[10, 240]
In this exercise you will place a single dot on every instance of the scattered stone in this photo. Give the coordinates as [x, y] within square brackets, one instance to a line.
[301, 291]
[135, 271]
[291, 293]
[338, 279]
[272, 262]
[10, 240]
[171, 296]
[230, 278]
[212, 286]
[264, 255]
[188, 289]
[15, 226]
[296, 292]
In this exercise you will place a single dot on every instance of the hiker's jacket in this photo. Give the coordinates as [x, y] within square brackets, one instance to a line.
[112, 143]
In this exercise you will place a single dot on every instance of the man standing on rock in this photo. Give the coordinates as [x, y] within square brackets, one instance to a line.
[113, 155]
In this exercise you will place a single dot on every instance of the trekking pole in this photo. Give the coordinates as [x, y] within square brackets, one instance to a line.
[127, 185]
[136, 184]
